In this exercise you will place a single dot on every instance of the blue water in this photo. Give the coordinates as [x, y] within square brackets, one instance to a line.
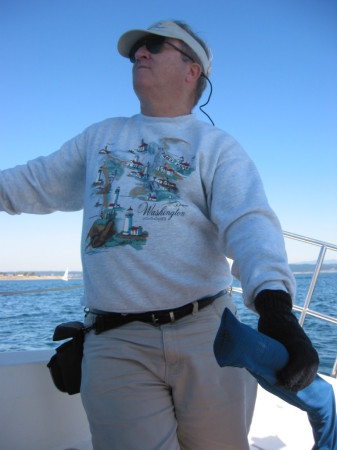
[28, 319]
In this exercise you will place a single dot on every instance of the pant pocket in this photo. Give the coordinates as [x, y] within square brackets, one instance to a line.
[225, 301]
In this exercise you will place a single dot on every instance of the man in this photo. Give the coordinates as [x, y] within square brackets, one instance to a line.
[163, 205]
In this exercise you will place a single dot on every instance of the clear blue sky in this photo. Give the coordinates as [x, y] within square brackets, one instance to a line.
[274, 89]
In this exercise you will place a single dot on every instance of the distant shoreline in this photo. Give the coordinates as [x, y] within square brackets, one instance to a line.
[29, 277]
[310, 273]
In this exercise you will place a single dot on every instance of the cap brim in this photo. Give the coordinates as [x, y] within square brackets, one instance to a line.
[128, 40]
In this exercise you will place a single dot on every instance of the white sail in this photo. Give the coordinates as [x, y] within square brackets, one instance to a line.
[66, 275]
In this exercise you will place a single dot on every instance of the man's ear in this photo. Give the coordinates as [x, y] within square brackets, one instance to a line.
[194, 73]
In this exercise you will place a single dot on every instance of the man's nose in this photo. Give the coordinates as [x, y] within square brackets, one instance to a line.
[142, 52]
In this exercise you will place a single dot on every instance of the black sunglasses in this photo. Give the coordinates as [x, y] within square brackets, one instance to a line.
[154, 45]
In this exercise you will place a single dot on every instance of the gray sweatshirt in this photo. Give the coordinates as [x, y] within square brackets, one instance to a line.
[165, 201]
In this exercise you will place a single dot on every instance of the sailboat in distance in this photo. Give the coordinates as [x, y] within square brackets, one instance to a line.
[66, 275]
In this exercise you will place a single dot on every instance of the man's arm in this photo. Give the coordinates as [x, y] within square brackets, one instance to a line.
[45, 184]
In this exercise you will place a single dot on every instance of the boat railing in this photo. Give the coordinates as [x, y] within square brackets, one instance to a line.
[305, 310]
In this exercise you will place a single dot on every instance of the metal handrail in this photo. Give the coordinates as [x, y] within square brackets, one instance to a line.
[324, 246]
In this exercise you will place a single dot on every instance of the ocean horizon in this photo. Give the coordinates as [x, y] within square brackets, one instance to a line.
[329, 265]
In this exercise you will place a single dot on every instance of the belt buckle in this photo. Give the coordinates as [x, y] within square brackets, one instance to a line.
[156, 321]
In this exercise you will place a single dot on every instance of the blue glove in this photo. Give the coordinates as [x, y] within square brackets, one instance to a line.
[278, 321]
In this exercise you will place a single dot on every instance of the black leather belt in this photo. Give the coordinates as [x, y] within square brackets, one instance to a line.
[107, 321]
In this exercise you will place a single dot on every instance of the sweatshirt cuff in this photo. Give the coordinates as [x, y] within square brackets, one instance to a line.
[270, 285]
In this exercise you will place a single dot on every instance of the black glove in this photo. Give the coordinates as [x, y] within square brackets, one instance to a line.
[277, 321]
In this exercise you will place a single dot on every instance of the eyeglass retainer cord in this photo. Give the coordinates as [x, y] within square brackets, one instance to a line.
[208, 99]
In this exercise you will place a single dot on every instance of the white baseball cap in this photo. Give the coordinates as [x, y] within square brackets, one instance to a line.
[166, 29]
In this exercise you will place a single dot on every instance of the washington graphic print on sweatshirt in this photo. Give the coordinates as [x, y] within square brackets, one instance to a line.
[149, 180]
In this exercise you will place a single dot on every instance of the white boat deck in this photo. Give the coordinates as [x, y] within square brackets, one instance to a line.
[278, 425]
[34, 415]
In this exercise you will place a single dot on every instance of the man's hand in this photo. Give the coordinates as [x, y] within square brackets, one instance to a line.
[277, 321]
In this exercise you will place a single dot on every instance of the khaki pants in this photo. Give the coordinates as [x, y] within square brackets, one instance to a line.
[151, 388]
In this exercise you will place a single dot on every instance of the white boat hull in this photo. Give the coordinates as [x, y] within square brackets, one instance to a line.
[34, 415]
